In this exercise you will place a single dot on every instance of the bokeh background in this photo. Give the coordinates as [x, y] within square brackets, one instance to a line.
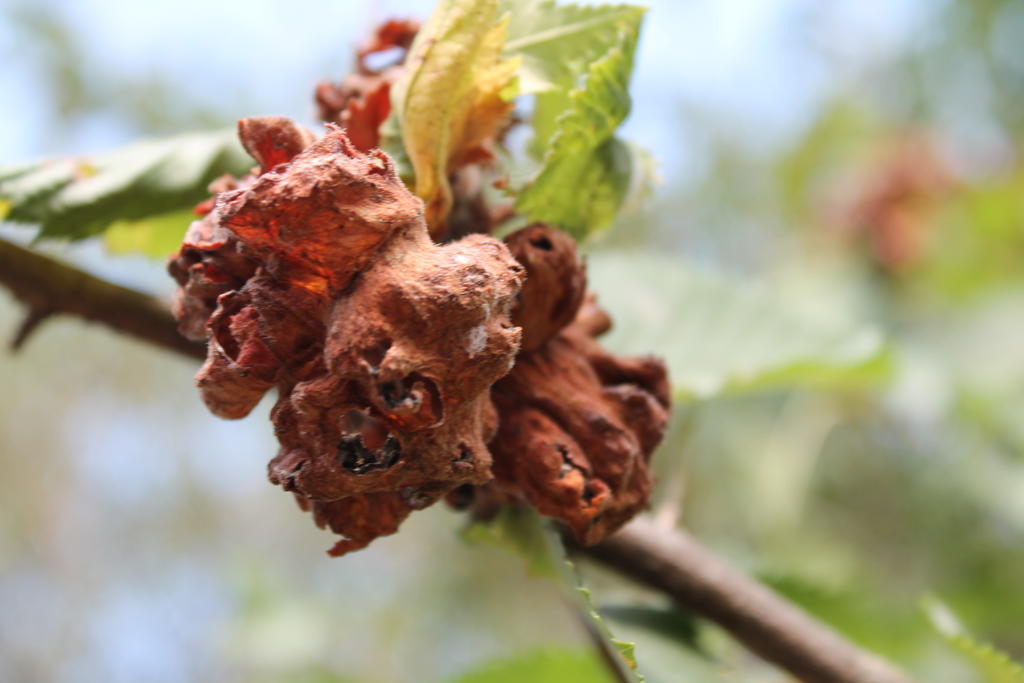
[856, 161]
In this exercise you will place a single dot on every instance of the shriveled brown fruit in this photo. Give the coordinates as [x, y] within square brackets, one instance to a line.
[383, 345]
[207, 265]
[273, 140]
[209, 262]
[260, 328]
[358, 519]
[391, 34]
[266, 333]
[361, 102]
[410, 355]
[577, 425]
[556, 283]
[316, 275]
[319, 220]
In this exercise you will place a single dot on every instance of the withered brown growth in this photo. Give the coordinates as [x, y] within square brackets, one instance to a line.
[577, 425]
[362, 101]
[382, 344]
[408, 370]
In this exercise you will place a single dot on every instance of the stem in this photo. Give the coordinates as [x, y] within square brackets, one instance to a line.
[666, 560]
[676, 564]
[48, 287]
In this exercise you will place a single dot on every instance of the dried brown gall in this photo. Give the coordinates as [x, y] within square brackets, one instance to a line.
[408, 371]
[383, 345]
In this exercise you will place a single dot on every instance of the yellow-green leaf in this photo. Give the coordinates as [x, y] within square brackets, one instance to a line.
[453, 96]
[557, 42]
[154, 236]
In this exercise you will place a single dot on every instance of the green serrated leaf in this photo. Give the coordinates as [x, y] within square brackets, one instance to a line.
[670, 622]
[626, 649]
[523, 531]
[670, 638]
[77, 198]
[720, 336]
[994, 665]
[602, 182]
[585, 171]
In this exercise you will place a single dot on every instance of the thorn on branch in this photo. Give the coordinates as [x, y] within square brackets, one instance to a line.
[33, 319]
[48, 287]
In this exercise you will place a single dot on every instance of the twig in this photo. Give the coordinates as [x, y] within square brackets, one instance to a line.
[49, 287]
[33, 319]
[676, 564]
[666, 560]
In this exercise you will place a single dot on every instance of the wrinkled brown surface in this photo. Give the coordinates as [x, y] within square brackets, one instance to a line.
[358, 520]
[207, 265]
[577, 425]
[554, 289]
[382, 344]
[410, 356]
[273, 140]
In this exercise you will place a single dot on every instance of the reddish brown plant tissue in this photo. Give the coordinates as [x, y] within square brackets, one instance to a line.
[382, 344]
[408, 370]
[361, 102]
[577, 425]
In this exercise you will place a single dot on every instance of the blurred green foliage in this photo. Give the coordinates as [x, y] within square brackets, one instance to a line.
[542, 667]
[138, 184]
[993, 664]
[848, 427]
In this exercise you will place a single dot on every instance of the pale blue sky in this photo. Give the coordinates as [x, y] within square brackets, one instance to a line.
[760, 66]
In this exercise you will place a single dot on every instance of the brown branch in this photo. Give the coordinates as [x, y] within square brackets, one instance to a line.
[33, 319]
[49, 287]
[676, 564]
[668, 561]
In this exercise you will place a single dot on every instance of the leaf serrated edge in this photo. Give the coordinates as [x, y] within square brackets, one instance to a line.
[996, 665]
